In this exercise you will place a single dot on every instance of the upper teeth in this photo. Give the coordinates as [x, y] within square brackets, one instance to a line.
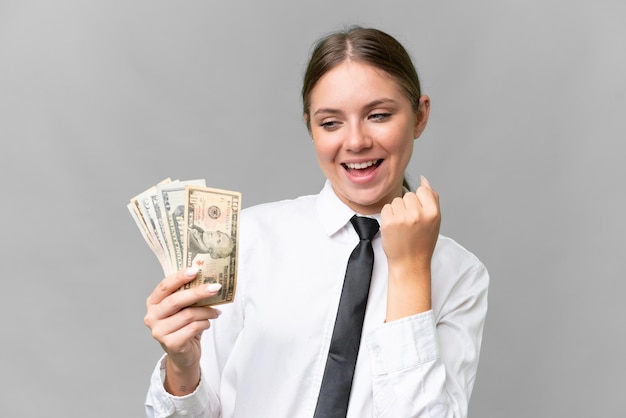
[362, 165]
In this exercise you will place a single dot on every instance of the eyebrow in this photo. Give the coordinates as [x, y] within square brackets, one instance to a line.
[371, 104]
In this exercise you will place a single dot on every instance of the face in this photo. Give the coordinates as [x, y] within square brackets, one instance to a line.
[363, 127]
[216, 242]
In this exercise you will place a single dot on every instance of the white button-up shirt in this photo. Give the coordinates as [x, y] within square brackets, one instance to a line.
[265, 355]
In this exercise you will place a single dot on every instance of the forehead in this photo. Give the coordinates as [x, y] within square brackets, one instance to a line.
[353, 82]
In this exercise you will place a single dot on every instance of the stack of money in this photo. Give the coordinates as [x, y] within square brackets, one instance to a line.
[188, 224]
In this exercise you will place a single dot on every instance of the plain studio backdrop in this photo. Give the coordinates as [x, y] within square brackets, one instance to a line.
[100, 100]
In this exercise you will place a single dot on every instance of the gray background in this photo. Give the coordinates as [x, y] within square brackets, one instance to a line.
[101, 99]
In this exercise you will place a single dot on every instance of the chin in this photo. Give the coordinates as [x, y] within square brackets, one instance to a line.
[366, 205]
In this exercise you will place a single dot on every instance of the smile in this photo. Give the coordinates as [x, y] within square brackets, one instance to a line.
[361, 165]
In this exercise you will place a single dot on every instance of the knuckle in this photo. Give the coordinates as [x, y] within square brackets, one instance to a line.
[172, 304]
[198, 326]
[410, 197]
[434, 214]
[162, 286]
[187, 315]
[156, 334]
[204, 325]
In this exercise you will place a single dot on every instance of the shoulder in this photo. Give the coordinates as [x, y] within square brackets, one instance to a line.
[279, 216]
[449, 250]
[453, 263]
[287, 208]
[287, 205]
[459, 278]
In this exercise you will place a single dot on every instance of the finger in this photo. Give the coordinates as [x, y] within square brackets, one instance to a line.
[182, 319]
[430, 205]
[170, 284]
[425, 185]
[185, 298]
[385, 215]
[179, 339]
[428, 197]
[399, 209]
[412, 203]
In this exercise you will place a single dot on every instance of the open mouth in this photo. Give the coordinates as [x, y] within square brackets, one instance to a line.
[362, 166]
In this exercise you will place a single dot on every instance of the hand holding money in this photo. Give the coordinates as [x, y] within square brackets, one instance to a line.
[187, 224]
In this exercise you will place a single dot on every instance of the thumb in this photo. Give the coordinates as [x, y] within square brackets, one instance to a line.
[425, 183]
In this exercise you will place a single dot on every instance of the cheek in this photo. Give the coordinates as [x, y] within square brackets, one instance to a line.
[400, 142]
[407, 149]
[324, 148]
[402, 149]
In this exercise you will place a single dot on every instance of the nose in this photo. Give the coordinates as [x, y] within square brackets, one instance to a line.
[357, 138]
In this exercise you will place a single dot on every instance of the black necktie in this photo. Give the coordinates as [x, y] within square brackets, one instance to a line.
[344, 344]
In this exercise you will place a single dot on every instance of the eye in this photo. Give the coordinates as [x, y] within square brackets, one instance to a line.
[330, 125]
[379, 117]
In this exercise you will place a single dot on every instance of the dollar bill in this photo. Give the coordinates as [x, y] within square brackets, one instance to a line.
[142, 227]
[187, 224]
[210, 239]
[148, 220]
[171, 199]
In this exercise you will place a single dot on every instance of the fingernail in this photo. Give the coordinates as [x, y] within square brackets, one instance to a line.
[425, 181]
[191, 272]
[213, 287]
[218, 311]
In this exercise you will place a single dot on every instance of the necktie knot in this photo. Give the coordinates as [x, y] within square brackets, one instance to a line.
[365, 227]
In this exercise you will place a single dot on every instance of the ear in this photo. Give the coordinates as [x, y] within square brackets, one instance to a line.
[307, 122]
[421, 117]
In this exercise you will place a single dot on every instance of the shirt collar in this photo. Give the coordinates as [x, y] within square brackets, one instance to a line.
[333, 213]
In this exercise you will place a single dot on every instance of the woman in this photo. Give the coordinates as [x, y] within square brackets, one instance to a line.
[267, 354]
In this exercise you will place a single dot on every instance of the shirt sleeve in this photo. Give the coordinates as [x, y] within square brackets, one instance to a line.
[203, 402]
[425, 366]
[217, 343]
